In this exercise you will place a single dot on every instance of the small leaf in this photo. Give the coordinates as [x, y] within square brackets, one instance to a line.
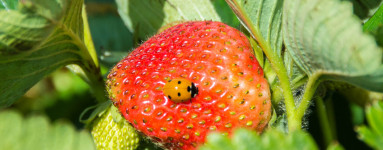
[146, 17]
[324, 38]
[245, 139]
[35, 132]
[94, 112]
[373, 135]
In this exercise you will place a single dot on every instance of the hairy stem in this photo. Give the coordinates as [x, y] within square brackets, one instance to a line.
[310, 89]
[278, 66]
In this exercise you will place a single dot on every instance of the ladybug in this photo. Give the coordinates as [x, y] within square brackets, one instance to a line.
[180, 90]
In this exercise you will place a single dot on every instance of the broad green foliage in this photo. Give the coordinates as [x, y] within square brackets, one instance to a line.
[22, 29]
[35, 40]
[146, 17]
[8, 4]
[373, 135]
[35, 132]
[271, 139]
[263, 19]
[321, 44]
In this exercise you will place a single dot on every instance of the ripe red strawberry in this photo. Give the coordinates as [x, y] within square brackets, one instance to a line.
[218, 59]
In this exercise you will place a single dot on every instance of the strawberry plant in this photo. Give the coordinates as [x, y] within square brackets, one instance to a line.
[203, 74]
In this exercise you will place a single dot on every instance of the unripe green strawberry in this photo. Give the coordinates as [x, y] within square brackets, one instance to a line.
[210, 62]
[111, 131]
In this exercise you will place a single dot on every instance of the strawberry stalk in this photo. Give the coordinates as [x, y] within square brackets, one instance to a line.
[294, 121]
[310, 89]
[89, 68]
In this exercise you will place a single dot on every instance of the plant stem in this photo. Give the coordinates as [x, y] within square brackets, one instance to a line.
[279, 68]
[276, 63]
[310, 89]
[328, 137]
[89, 69]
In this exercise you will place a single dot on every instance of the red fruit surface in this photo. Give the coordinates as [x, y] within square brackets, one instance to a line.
[232, 90]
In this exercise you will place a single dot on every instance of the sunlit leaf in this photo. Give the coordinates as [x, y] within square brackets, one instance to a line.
[146, 17]
[246, 140]
[8, 4]
[373, 134]
[36, 132]
[325, 38]
[36, 40]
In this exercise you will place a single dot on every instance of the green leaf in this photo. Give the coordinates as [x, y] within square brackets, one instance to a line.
[375, 21]
[225, 13]
[263, 19]
[373, 135]
[9, 4]
[245, 140]
[375, 26]
[22, 29]
[35, 132]
[36, 40]
[325, 38]
[112, 40]
[365, 8]
[146, 17]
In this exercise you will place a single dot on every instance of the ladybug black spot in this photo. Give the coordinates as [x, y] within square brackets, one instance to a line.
[189, 89]
[169, 97]
[179, 94]
[179, 82]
